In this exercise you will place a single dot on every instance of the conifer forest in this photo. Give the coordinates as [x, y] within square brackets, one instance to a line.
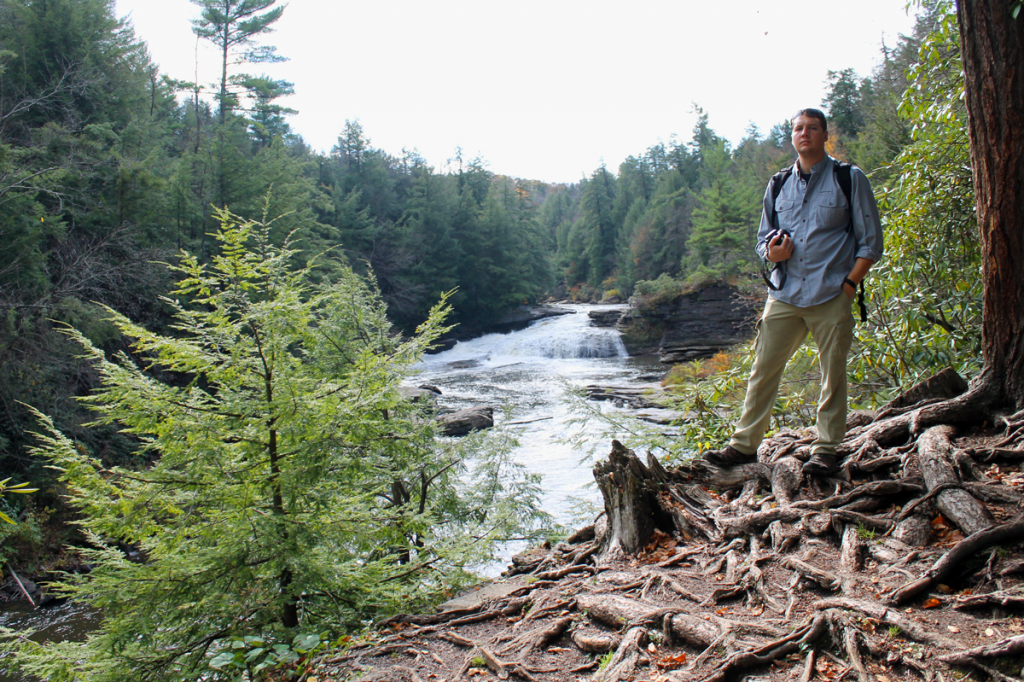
[206, 322]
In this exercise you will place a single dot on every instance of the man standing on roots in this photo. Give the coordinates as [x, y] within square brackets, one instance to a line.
[820, 228]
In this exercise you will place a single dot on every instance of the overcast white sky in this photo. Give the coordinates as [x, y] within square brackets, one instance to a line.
[542, 90]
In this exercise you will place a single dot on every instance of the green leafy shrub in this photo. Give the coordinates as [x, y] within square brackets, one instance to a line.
[650, 293]
[926, 294]
[250, 656]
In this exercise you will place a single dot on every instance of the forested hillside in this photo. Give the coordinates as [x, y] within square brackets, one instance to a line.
[109, 168]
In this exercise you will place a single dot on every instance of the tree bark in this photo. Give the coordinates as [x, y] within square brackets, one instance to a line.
[958, 505]
[630, 494]
[992, 48]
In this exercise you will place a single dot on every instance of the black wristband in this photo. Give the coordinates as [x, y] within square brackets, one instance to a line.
[847, 280]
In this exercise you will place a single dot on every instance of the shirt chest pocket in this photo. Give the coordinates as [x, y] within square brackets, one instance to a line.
[832, 210]
[784, 206]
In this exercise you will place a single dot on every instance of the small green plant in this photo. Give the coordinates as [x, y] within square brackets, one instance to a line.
[256, 654]
[16, 488]
[894, 631]
[605, 660]
[478, 662]
[865, 533]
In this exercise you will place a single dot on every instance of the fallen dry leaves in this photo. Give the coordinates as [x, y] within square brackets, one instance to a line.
[671, 662]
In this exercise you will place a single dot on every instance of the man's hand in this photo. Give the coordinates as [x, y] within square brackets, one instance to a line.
[780, 249]
[849, 290]
[859, 272]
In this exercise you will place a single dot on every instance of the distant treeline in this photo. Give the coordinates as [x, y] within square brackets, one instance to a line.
[109, 169]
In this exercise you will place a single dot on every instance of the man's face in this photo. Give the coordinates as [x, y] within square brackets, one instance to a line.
[809, 136]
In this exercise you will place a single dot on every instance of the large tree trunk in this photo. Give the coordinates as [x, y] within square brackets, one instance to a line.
[992, 45]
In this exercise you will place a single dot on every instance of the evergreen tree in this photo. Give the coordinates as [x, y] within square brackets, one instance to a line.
[597, 223]
[844, 102]
[429, 234]
[232, 26]
[267, 116]
[283, 484]
[703, 137]
[725, 221]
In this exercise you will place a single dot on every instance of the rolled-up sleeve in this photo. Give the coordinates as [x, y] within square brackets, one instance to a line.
[867, 225]
[766, 224]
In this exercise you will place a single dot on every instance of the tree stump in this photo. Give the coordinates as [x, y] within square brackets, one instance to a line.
[942, 385]
[630, 500]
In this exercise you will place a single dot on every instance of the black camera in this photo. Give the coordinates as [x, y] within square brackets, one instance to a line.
[766, 268]
[773, 234]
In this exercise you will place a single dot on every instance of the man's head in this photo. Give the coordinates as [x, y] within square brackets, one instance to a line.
[811, 113]
[810, 132]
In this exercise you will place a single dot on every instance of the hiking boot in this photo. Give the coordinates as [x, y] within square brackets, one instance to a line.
[728, 457]
[821, 464]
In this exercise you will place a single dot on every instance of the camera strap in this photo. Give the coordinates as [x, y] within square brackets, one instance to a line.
[775, 185]
[767, 272]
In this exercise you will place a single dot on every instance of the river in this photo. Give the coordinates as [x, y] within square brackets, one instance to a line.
[530, 370]
[527, 369]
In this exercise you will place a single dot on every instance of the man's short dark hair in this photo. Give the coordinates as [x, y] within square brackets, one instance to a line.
[812, 113]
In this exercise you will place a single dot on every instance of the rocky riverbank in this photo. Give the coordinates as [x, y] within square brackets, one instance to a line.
[687, 327]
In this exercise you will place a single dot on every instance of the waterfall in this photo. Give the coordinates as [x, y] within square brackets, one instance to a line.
[565, 337]
[529, 371]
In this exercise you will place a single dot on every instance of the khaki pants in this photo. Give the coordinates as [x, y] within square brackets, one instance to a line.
[780, 332]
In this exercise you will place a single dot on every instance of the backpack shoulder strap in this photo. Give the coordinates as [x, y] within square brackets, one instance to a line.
[776, 183]
[842, 171]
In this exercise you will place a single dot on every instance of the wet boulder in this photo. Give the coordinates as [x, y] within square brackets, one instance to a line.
[420, 394]
[466, 421]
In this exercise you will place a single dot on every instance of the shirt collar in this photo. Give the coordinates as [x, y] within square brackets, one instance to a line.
[816, 168]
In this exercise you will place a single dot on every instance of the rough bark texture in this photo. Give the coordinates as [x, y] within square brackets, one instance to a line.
[945, 384]
[992, 47]
[939, 471]
[629, 491]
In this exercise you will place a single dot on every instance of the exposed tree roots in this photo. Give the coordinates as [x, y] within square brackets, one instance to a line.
[906, 565]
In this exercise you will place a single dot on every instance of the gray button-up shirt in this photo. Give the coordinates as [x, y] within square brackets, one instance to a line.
[816, 214]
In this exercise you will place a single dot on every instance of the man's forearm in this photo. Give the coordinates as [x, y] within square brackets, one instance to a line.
[860, 270]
